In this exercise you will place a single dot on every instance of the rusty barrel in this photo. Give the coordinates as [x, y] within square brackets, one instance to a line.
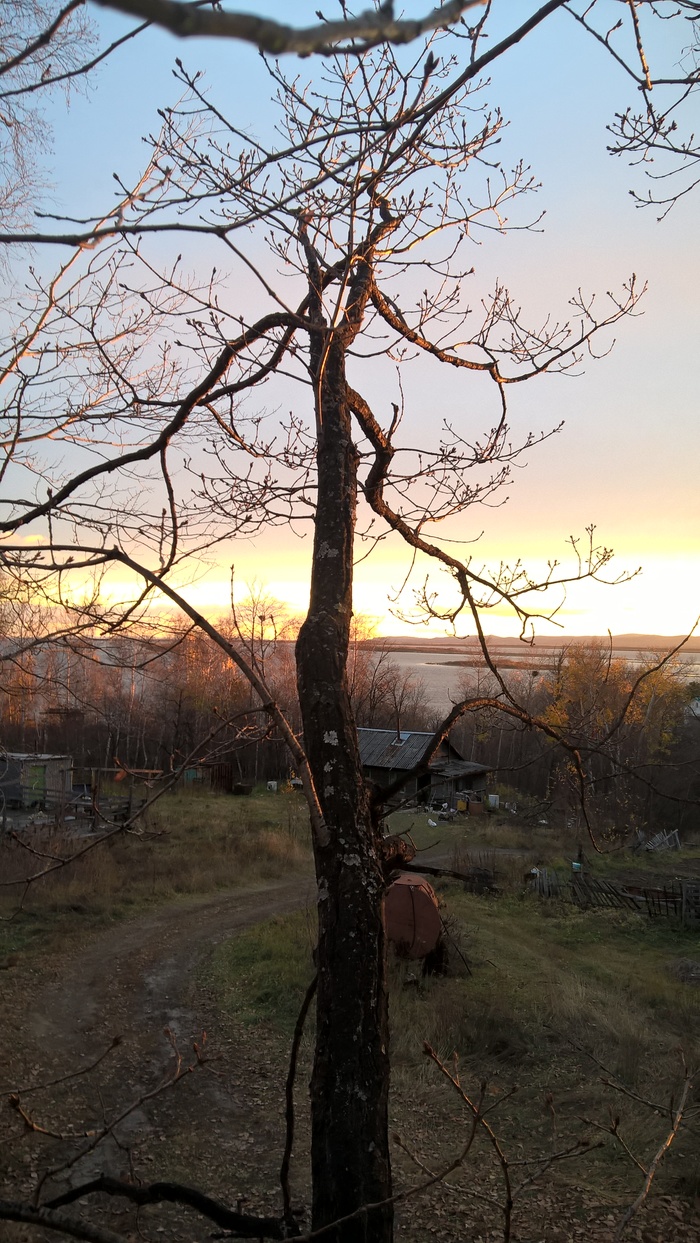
[411, 914]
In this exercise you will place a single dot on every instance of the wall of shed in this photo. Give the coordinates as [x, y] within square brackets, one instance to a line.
[58, 778]
[34, 781]
[433, 786]
[385, 776]
[11, 781]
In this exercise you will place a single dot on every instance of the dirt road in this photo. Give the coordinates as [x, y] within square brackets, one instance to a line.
[221, 1127]
[134, 977]
[138, 980]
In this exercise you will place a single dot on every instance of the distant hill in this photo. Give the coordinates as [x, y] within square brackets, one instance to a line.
[620, 643]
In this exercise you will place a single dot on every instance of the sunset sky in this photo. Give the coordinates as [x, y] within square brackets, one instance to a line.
[628, 458]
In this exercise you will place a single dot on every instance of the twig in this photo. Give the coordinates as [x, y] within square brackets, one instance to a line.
[658, 1157]
[38, 1129]
[447, 933]
[614, 1130]
[73, 1074]
[480, 1120]
[475, 1195]
[178, 1073]
[581, 1148]
[289, 1097]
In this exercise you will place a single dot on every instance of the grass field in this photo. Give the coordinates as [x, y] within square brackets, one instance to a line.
[569, 1018]
[188, 843]
[499, 835]
[483, 833]
[553, 1001]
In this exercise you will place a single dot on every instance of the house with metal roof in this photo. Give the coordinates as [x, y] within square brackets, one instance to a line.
[388, 753]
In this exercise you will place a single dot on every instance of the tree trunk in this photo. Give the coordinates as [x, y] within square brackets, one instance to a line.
[350, 1080]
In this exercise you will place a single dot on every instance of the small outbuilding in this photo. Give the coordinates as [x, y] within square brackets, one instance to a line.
[35, 780]
[387, 754]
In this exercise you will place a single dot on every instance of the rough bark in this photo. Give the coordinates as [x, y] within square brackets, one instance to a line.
[350, 1080]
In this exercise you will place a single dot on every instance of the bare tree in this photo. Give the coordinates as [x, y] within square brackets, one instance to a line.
[46, 50]
[631, 43]
[137, 375]
[652, 136]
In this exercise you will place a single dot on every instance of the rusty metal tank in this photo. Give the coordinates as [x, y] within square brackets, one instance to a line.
[411, 915]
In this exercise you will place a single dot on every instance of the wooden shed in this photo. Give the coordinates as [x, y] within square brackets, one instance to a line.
[35, 780]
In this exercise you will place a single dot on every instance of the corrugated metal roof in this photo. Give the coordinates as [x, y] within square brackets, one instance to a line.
[38, 757]
[453, 769]
[381, 748]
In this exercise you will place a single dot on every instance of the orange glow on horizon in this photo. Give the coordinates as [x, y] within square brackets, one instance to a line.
[664, 599]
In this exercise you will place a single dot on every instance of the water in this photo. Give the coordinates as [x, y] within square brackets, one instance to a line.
[443, 680]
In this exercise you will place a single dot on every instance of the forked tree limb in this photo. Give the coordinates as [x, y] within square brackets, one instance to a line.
[478, 1119]
[676, 1120]
[41, 40]
[160, 442]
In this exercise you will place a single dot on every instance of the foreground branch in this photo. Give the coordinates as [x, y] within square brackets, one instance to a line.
[289, 1097]
[11, 1210]
[356, 34]
[244, 1225]
[676, 1119]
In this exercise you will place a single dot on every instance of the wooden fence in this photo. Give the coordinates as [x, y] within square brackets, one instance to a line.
[675, 899]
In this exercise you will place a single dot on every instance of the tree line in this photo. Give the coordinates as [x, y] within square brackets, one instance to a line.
[154, 704]
[154, 701]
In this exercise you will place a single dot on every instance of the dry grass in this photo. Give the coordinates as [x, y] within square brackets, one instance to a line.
[488, 831]
[545, 973]
[553, 993]
[511, 846]
[189, 843]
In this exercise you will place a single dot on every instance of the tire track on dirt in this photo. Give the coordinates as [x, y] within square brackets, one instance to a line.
[135, 972]
[133, 981]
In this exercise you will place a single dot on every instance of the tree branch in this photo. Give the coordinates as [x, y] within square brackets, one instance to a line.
[12, 1210]
[354, 35]
[677, 1118]
[243, 1225]
[158, 445]
[289, 1095]
[41, 40]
